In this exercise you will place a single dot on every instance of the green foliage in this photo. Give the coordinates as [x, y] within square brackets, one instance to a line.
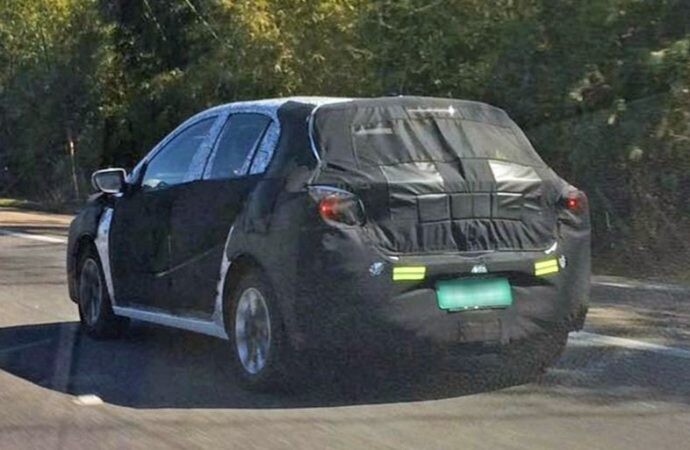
[55, 63]
[601, 86]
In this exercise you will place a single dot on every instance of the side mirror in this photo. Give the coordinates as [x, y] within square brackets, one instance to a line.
[109, 181]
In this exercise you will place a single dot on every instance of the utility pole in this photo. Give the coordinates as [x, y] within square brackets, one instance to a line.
[70, 144]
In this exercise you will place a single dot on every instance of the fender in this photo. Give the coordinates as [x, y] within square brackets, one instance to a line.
[84, 227]
[259, 234]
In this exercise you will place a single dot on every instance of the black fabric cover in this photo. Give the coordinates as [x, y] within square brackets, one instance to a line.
[438, 175]
[446, 184]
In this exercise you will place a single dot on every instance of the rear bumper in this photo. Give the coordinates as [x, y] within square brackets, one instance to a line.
[344, 301]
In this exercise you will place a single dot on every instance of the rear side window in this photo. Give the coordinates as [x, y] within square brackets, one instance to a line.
[237, 145]
[169, 166]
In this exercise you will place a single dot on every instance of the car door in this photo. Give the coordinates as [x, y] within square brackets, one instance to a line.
[140, 231]
[204, 211]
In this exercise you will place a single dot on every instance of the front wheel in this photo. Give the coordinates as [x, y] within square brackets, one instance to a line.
[260, 351]
[95, 309]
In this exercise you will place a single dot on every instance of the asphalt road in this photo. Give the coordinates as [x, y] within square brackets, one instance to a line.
[624, 383]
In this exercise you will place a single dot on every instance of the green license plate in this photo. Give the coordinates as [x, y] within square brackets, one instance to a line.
[473, 293]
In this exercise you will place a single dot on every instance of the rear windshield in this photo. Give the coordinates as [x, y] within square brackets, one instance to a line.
[398, 141]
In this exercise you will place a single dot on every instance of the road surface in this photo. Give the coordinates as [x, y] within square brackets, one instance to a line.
[623, 383]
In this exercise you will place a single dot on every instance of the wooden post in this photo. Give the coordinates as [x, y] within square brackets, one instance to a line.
[70, 143]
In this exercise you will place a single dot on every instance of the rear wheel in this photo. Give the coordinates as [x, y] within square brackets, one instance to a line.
[95, 309]
[260, 351]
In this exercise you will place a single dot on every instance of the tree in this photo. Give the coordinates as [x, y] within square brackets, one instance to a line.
[55, 62]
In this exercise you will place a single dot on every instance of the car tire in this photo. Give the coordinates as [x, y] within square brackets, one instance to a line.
[95, 308]
[261, 357]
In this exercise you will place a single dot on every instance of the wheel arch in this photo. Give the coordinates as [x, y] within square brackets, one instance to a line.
[83, 229]
[84, 242]
[241, 263]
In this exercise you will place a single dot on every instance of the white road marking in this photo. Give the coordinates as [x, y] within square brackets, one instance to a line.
[634, 284]
[21, 347]
[584, 339]
[35, 237]
[88, 400]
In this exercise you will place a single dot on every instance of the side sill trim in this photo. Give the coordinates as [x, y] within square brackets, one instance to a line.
[209, 328]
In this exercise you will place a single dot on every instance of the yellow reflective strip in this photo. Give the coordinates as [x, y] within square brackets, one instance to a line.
[416, 269]
[408, 276]
[546, 270]
[544, 264]
[551, 267]
[409, 273]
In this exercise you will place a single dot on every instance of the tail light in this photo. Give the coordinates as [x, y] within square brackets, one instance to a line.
[574, 200]
[337, 205]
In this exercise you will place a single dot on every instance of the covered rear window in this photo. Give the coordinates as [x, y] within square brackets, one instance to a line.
[399, 131]
[437, 175]
[437, 139]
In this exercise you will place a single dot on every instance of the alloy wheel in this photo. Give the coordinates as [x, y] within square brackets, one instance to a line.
[90, 291]
[252, 331]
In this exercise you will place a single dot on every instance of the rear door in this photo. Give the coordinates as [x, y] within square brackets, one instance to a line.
[140, 231]
[438, 175]
[206, 209]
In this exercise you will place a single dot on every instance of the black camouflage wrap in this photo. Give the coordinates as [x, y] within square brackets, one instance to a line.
[445, 184]
[448, 185]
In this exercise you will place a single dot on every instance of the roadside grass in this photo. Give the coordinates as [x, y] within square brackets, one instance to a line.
[16, 203]
[52, 207]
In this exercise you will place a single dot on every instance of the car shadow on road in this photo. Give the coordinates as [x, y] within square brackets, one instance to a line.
[154, 367]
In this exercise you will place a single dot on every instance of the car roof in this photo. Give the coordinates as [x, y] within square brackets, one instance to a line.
[277, 102]
[270, 105]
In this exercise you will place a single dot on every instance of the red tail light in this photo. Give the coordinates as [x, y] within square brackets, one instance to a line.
[335, 205]
[329, 207]
[574, 200]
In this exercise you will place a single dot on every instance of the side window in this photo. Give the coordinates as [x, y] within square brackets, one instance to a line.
[170, 165]
[237, 144]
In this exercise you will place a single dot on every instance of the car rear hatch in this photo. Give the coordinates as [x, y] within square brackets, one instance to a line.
[437, 176]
